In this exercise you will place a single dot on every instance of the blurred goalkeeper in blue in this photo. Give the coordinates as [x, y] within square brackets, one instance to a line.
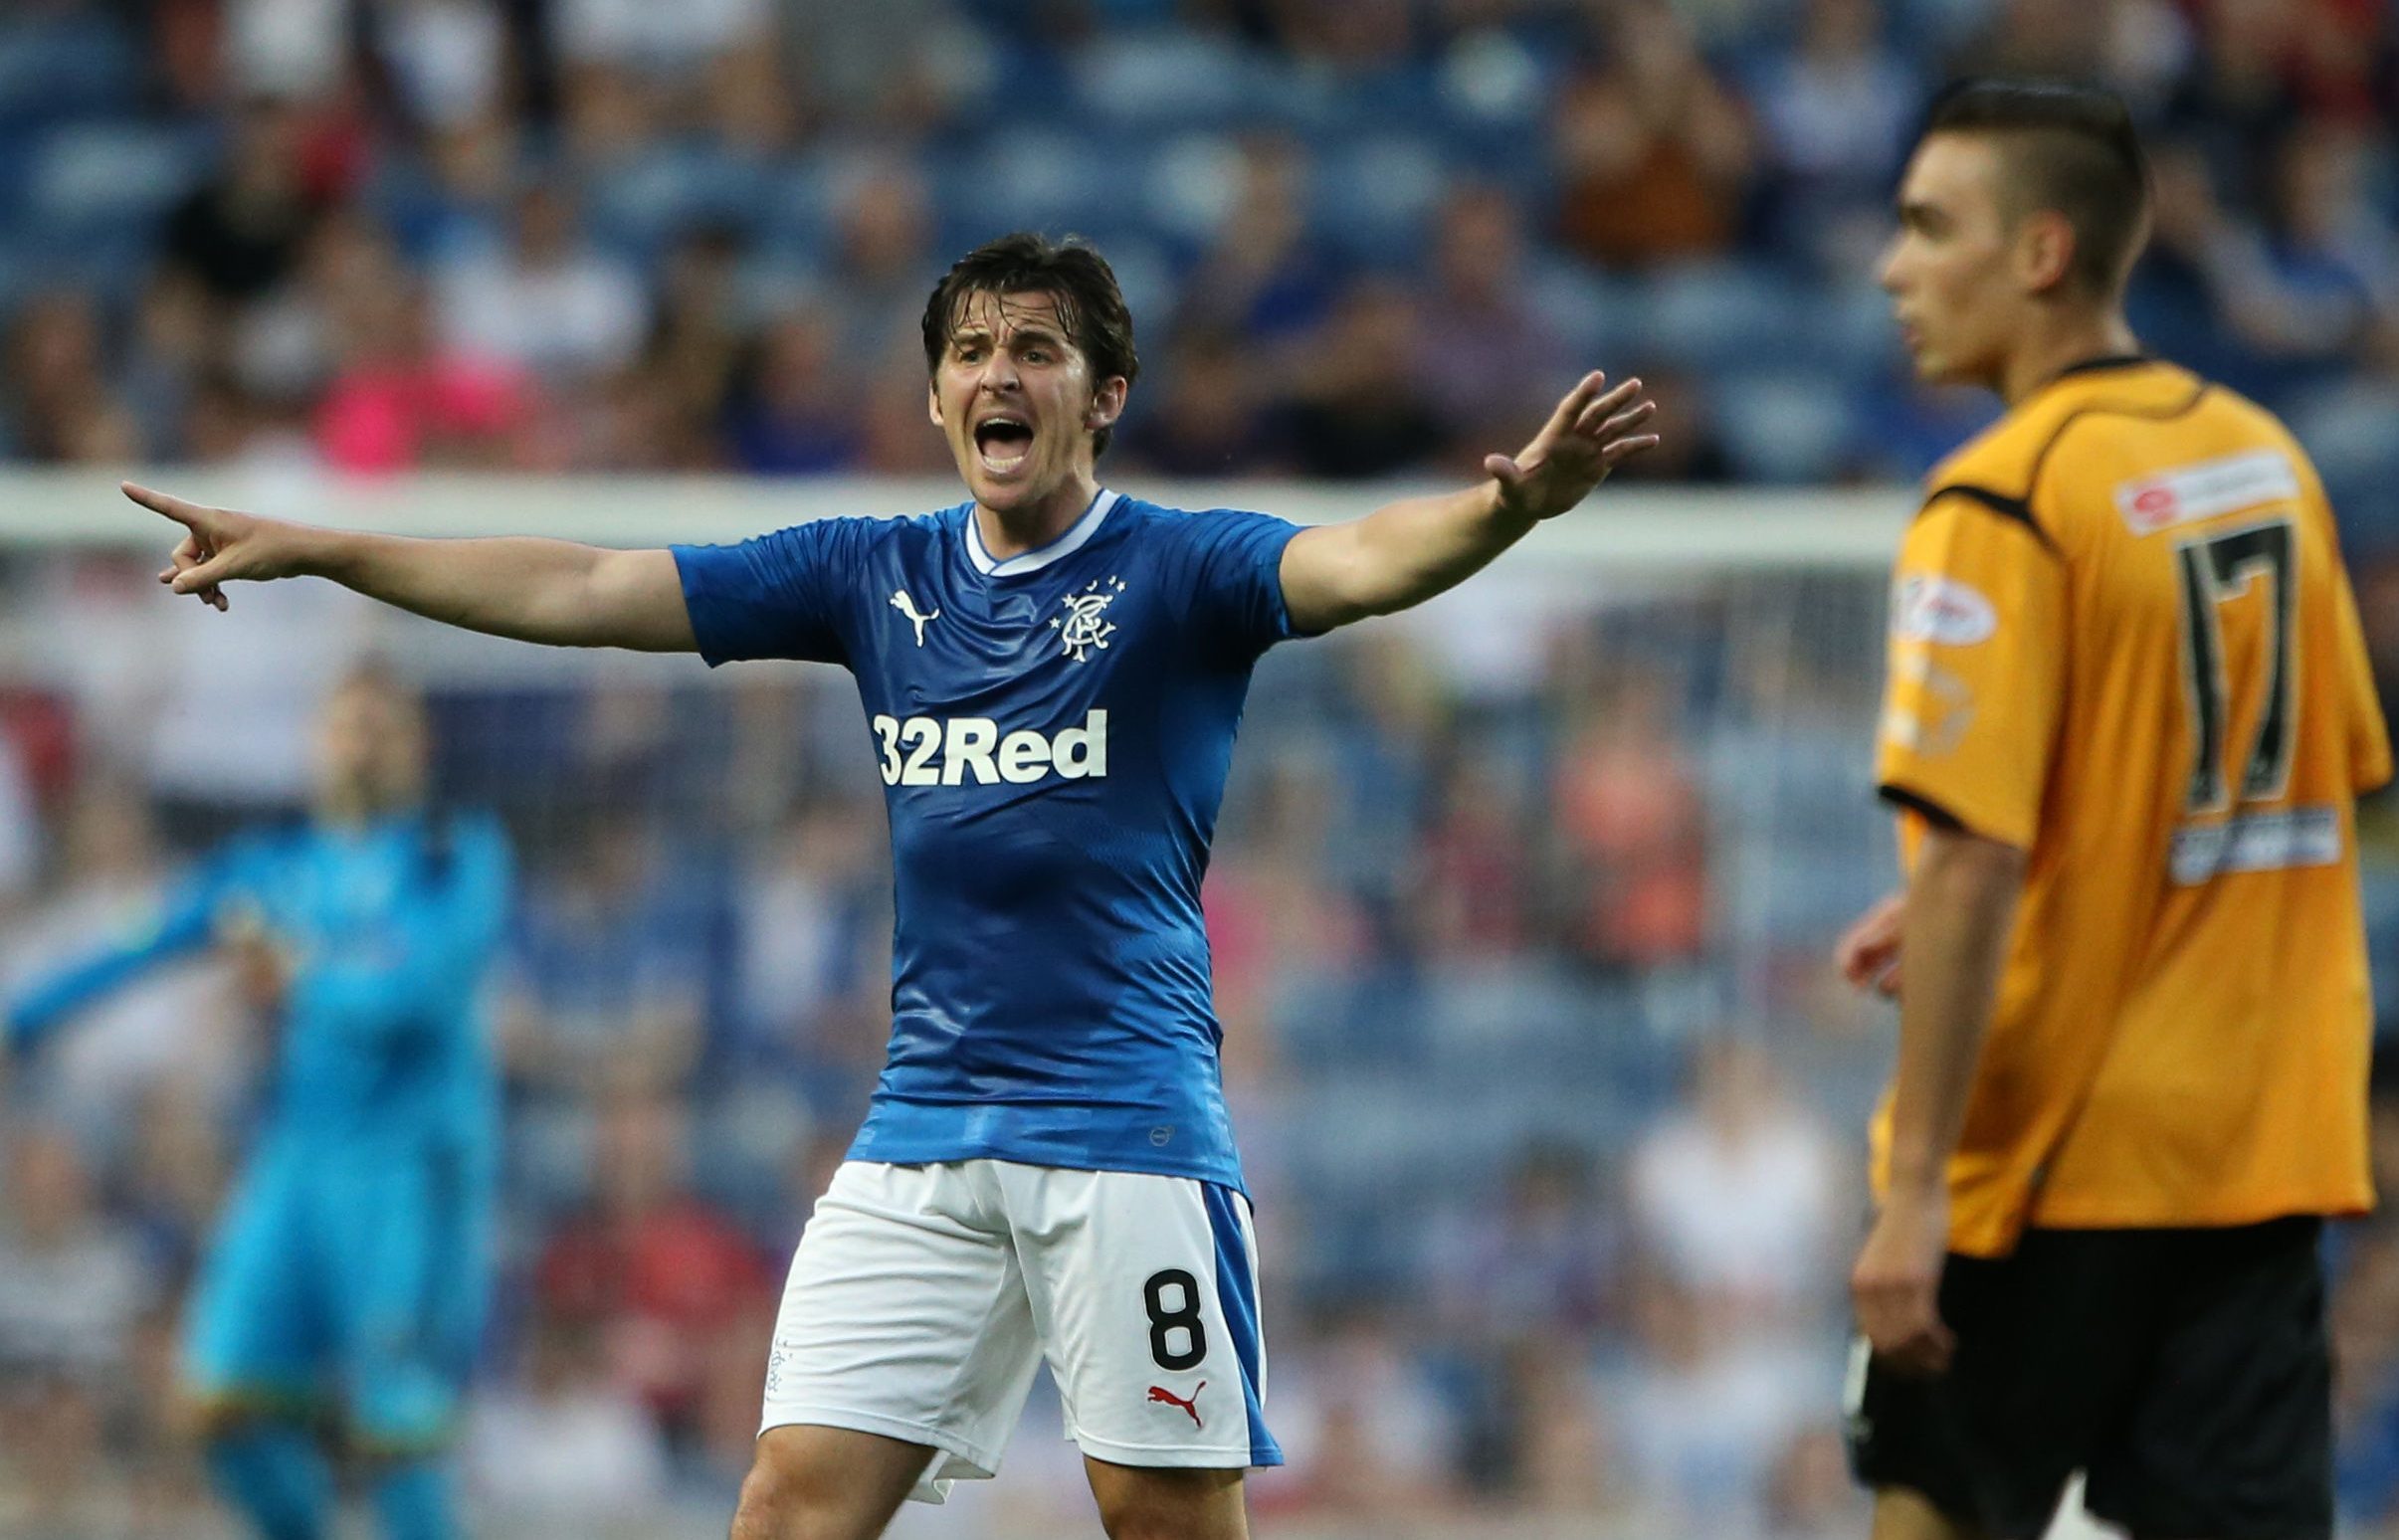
[339, 1307]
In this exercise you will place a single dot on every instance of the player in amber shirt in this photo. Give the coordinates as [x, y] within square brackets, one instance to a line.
[2127, 717]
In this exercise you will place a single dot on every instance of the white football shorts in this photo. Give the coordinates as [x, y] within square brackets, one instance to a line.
[923, 1297]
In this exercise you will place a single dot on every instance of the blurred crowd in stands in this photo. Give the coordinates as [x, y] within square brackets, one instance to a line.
[1361, 237]
[1549, 1106]
[1549, 1103]
[1601, 1281]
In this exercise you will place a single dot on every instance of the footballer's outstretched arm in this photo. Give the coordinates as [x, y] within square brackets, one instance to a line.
[533, 589]
[1405, 552]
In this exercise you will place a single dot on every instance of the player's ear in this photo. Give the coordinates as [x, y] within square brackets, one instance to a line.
[932, 403]
[2045, 250]
[1108, 403]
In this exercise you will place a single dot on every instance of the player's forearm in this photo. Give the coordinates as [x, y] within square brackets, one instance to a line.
[1401, 554]
[1961, 908]
[554, 592]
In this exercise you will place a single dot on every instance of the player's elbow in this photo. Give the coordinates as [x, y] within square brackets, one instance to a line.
[1327, 611]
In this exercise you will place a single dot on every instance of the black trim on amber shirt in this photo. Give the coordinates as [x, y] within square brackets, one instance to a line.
[2106, 361]
[1998, 502]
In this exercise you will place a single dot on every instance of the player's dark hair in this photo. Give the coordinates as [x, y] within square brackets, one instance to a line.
[1090, 304]
[2065, 147]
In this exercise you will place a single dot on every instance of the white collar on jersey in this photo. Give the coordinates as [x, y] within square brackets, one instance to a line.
[1079, 534]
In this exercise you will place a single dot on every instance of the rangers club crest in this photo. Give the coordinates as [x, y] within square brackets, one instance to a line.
[1086, 625]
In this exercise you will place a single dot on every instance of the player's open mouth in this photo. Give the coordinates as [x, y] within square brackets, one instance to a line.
[1005, 443]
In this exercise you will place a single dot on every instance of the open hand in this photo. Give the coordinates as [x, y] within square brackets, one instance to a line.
[220, 545]
[1867, 953]
[1589, 435]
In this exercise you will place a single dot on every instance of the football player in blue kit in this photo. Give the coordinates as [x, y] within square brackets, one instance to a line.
[1052, 674]
[345, 1283]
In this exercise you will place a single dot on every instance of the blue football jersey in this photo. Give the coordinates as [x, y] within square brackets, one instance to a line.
[389, 929]
[1052, 732]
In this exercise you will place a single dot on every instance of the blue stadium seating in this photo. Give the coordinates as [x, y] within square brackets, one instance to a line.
[94, 181]
[67, 67]
[1163, 80]
[1783, 427]
[639, 208]
[1372, 197]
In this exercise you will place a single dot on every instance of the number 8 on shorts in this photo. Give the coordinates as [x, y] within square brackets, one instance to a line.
[921, 1300]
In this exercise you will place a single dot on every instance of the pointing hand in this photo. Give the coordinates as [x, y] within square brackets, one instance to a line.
[220, 545]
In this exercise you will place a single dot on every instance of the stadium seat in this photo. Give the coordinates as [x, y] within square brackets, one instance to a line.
[1144, 270]
[1152, 81]
[1503, 1006]
[67, 68]
[796, 217]
[1405, 101]
[1847, 330]
[1282, 95]
[1038, 178]
[1784, 427]
[2347, 429]
[1757, 317]
[1596, 317]
[91, 181]
[1715, 316]
[1364, 1135]
[1335, 1021]
[1493, 88]
[1024, 84]
[16, 173]
[2380, 886]
[1372, 197]
[638, 209]
[401, 193]
[1191, 184]
[742, 1147]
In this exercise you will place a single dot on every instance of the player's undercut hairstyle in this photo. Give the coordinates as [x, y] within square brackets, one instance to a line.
[2065, 147]
[1090, 304]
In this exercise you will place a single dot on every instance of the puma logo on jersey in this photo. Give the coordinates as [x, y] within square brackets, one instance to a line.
[907, 607]
[1160, 1394]
[944, 752]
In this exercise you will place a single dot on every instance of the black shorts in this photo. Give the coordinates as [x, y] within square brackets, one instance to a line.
[2185, 1372]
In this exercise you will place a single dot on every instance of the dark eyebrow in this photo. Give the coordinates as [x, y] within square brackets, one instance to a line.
[1917, 213]
[1022, 337]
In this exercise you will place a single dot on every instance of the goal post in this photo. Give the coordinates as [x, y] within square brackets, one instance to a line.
[1622, 527]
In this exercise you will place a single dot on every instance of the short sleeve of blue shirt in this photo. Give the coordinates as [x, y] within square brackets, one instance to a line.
[770, 596]
[1232, 569]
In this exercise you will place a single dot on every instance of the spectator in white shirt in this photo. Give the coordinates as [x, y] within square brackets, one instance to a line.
[547, 298]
